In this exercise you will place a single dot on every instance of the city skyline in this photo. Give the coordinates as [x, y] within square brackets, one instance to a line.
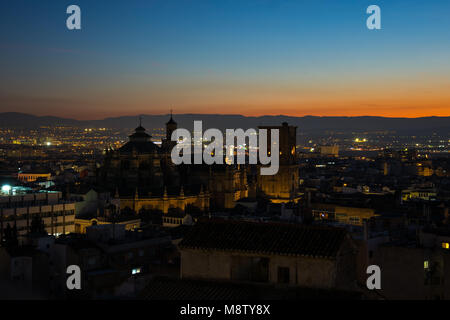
[224, 157]
[295, 58]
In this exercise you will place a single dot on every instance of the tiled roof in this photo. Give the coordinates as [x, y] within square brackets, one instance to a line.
[200, 290]
[265, 238]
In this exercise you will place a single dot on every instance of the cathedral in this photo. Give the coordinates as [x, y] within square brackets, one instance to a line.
[143, 176]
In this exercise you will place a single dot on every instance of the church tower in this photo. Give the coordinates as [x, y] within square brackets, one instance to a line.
[171, 126]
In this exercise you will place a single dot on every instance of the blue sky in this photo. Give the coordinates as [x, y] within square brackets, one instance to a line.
[230, 56]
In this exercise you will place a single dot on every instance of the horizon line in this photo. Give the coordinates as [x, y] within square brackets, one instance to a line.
[220, 114]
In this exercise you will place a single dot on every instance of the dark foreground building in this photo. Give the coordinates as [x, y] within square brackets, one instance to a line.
[285, 255]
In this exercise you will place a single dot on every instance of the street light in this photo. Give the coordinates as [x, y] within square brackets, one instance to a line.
[6, 188]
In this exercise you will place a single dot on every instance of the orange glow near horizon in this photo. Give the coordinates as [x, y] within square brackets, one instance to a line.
[397, 97]
[395, 109]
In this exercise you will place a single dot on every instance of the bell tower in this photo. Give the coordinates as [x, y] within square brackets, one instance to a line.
[171, 126]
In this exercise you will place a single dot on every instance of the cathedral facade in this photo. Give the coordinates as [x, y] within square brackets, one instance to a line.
[143, 175]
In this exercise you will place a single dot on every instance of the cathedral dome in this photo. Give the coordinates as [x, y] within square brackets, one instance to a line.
[171, 121]
[140, 129]
[140, 142]
[140, 135]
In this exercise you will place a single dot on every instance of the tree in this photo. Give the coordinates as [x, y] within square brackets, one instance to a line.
[10, 239]
[37, 226]
[193, 210]
[151, 216]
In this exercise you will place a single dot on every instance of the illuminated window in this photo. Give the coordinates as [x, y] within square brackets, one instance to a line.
[136, 271]
[445, 245]
[425, 264]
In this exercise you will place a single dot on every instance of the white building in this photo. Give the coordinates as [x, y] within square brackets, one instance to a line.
[57, 214]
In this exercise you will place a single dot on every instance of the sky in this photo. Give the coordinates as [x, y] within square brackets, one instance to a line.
[250, 57]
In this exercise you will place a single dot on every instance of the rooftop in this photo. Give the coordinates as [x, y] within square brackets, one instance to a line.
[265, 238]
[172, 289]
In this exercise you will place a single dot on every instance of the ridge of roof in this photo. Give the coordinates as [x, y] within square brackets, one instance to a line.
[265, 238]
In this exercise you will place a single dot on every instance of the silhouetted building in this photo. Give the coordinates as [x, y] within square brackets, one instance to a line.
[294, 255]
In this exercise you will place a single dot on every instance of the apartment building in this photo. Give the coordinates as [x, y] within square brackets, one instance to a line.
[17, 213]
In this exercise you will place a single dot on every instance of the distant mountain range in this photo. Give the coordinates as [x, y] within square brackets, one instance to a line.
[307, 124]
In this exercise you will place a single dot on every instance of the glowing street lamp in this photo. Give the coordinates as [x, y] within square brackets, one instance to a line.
[6, 188]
